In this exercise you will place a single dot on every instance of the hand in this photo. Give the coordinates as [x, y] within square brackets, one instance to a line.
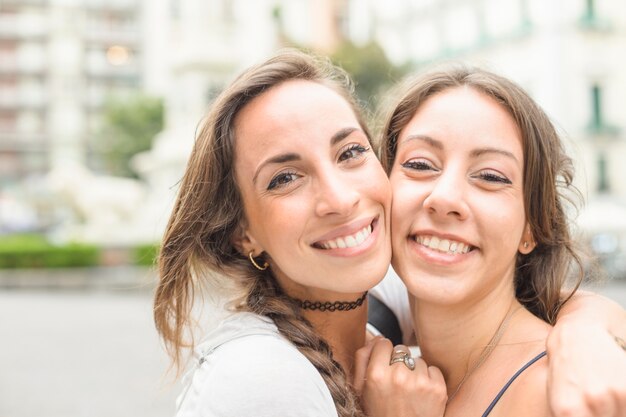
[587, 371]
[395, 390]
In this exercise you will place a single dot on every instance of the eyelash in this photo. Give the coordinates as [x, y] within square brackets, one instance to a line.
[421, 165]
[278, 180]
[352, 148]
[491, 177]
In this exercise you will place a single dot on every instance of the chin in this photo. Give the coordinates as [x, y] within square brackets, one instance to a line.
[366, 278]
[431, 289]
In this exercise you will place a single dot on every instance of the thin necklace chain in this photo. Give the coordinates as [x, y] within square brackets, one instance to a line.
[487, 350]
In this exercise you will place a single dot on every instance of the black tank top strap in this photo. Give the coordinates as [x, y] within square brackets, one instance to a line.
[508, 384]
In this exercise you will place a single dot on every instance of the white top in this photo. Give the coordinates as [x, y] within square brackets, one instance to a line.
[246, 368]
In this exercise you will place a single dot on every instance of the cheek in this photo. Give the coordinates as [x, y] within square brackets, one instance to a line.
[374, 183]
[408, 197]
[405, 209]
[503, 219]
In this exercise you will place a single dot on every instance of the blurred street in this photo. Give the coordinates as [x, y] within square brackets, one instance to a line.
[77, 353]
[93, 353]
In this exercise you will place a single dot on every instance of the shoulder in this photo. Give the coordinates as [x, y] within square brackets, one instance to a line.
[529, 393]
[257, 374]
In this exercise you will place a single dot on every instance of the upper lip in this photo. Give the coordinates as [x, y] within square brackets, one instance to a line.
[346, 230]
[447, 236]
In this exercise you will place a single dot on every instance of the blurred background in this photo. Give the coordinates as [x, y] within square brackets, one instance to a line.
[99, 104]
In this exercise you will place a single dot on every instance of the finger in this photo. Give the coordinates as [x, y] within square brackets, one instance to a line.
[379, 361]
[435, 374]
[401, 349]
[569, 407]
[421, 367]
[361, 361]
[381, 351]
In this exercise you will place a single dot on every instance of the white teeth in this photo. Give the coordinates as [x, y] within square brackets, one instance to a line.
[350, 241]
[443, 245]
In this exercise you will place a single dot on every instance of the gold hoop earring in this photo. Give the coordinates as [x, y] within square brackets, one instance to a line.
[256, 265]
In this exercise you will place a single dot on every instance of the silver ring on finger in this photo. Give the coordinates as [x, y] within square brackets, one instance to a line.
[399, 353]
[406, 358]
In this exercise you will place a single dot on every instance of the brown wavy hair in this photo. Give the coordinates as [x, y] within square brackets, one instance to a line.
[209, 211]
[548, 174]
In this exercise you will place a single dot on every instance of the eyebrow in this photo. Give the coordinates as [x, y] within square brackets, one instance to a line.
[475, 152]
[341, 135]
[289, 157]
[478, 152]
[425, 138]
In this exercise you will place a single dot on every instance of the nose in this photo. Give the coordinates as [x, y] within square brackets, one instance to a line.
[337, 195]
[446, 199]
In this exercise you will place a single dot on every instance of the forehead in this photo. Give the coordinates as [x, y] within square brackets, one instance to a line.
[291, 103]
[293, 113]
[464, 112]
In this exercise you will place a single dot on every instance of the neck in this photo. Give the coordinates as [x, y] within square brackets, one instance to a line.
[454, 337]
[344, 331]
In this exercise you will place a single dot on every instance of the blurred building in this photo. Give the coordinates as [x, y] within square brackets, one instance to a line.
[58, 62]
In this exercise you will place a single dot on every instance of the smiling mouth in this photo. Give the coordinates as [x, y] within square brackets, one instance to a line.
[348, 241]
[448, 246]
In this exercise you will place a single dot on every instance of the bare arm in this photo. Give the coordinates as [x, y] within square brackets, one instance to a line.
[587, 375]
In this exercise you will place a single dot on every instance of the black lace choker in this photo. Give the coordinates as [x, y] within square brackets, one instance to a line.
[332, 306]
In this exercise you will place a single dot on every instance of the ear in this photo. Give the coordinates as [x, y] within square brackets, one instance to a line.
[245, 242]
[527, 243]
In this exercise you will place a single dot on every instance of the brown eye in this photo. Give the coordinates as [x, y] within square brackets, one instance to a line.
[282, 179]
[354, 151]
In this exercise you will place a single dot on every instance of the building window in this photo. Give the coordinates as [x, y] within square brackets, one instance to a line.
[590, 9]
[590, 19]
[598, 125]
[596, 107]
[603, 177]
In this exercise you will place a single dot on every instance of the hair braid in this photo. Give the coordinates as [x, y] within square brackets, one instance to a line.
[266, 298]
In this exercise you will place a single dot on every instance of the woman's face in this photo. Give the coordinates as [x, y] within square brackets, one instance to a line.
[316, 199]
[458, 210]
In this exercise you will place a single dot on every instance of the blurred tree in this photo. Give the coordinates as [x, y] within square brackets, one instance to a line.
[370, 69]
[129, 127]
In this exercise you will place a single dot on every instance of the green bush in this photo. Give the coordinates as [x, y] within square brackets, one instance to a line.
[34, 251]
[145, 255]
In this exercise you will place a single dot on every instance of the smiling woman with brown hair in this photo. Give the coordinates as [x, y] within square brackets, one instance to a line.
[480, 237]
